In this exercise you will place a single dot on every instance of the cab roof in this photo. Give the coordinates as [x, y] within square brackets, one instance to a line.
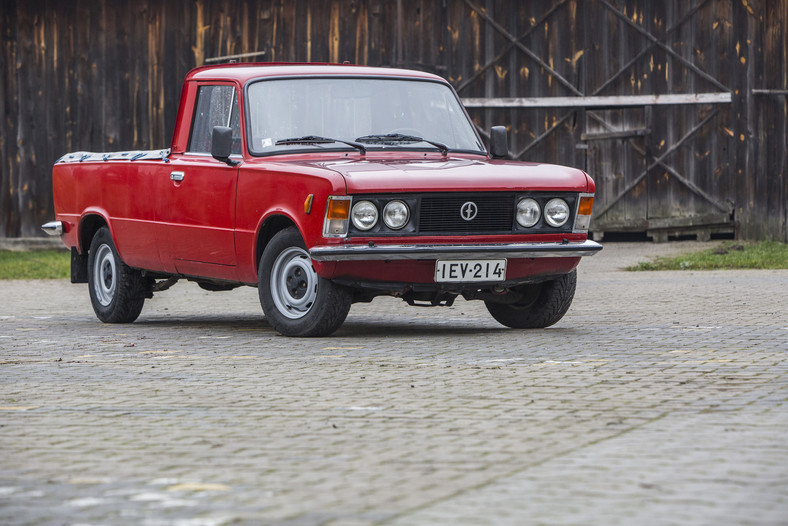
[246, 71]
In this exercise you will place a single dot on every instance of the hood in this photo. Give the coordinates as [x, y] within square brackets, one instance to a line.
[454, 174]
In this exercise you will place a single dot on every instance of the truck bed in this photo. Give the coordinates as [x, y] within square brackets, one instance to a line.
[133, 155]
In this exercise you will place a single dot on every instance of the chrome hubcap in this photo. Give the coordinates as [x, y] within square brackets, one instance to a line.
[104, 275]
[293, 283]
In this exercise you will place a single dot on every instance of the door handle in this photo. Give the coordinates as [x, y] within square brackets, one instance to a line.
[176, 176]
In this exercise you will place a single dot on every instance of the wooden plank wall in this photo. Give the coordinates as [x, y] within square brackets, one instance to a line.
[702, 39]
[101, 75]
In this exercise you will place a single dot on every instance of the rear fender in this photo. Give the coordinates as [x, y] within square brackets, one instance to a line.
[89, 224]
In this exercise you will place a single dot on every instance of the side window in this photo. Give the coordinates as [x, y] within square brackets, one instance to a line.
[215, 106]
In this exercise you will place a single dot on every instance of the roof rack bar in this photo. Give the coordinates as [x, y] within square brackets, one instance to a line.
[231, 57]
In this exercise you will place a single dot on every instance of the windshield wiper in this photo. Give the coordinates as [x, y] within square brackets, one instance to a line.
[393, 138]
[316, 139]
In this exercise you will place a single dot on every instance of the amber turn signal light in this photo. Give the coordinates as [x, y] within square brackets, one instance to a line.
[337, 213]
[586, 206]
[338, 209]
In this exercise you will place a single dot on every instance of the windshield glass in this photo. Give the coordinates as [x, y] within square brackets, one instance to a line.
[295, 112]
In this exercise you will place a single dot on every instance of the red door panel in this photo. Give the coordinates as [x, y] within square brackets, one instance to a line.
[198, 210]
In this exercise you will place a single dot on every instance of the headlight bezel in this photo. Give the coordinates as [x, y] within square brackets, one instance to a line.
[354, 218]
[528, 201]
[381, 228]
[542, 226]
[382, 224]
[385, 216]
[557, 201]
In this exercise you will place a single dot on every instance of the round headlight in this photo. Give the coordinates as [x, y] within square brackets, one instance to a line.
[364, 215]
[396, 215]
[556, 212]
[528, 212]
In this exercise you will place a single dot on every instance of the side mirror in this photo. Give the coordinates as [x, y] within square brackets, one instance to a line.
[222, 144]
[499, 143]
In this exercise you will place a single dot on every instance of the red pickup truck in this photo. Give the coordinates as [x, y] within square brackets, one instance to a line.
[324, 185]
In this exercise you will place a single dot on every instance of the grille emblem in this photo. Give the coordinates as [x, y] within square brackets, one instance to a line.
[469, 210]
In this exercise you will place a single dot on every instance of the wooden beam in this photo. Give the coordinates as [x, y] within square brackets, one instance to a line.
[690, 221]
[646, 49]
[672, 171]
[523, 48]
[665, 47]
[614, 101]
[623, 134]
[659, 223]
[660, 161]
[770, 91]
[509, 45]
[539, 139]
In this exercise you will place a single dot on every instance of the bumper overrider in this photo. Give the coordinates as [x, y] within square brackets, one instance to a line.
[53, 228]
[477, 251]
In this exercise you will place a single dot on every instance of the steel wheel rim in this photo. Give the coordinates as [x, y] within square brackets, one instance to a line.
[293, 283]
[104, 275]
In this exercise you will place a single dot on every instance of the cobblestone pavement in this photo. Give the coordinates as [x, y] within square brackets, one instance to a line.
[659, 399]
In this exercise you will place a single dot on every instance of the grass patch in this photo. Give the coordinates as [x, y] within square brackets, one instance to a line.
[46, 264]
[729, 255]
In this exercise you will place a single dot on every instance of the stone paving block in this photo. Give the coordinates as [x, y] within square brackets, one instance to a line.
[659, 399]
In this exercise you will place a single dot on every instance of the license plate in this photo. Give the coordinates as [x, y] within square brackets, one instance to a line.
[470, 270]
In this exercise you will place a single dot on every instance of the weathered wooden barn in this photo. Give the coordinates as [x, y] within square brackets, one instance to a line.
[677, 108]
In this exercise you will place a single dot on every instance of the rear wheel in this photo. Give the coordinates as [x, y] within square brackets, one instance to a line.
[295, 300]
[541, 305]
[117, 291]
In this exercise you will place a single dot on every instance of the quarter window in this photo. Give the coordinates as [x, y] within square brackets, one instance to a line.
[216, 106]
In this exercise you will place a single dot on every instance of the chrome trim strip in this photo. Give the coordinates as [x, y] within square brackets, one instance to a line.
[53, 228]
[411, 252]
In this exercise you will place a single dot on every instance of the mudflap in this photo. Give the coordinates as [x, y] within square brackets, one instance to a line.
[79, 266]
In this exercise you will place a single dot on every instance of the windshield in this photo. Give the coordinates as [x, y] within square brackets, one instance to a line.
[328, 113]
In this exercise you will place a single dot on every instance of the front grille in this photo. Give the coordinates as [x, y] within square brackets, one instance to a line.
[442, 214]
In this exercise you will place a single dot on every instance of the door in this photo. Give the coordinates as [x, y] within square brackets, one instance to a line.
[617, 141]
[199, 205]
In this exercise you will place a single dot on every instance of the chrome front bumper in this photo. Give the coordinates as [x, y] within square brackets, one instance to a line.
[491, 251]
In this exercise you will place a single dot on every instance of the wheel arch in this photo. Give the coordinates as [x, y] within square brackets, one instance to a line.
[270, 226]
[89, 224]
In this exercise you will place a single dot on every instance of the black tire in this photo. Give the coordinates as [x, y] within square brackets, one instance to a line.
[295, 300]
[117, 291]
[543, 304]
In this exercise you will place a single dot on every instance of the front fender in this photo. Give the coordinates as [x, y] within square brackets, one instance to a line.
[269, 200]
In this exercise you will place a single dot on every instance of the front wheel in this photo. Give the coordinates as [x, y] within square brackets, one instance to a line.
[295, 300]
[117, 291]
[541, 305]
